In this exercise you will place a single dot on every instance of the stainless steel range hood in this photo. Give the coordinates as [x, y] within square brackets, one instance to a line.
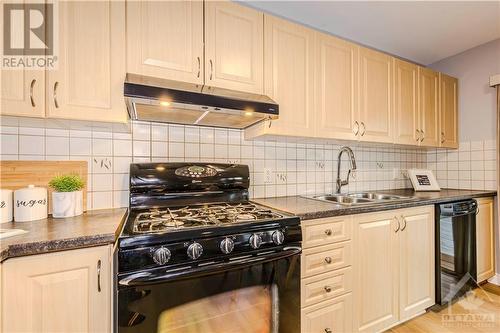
[153, 99]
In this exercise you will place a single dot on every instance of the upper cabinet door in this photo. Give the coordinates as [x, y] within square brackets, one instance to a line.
[88, 83]
[406, 118]
[21, 90]
[375, 85]
[336, 88]
[165, 39]
[429, 107]
[289, 79]
[234, 42]
[449, 111]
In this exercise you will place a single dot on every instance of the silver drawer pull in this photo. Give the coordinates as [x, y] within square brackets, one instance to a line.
[327, 330]
[32, 85]
[328, 289]
[328, 260]
[328, 232]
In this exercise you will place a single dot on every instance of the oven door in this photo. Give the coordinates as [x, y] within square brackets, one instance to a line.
[251, 294]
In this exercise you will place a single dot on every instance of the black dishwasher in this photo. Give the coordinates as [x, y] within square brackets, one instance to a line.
[455, 249]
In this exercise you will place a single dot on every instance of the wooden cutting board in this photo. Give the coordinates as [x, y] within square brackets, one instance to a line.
[18, 174]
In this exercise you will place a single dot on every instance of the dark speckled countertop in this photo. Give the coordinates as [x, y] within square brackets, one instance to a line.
[308, 209]
[93, 228]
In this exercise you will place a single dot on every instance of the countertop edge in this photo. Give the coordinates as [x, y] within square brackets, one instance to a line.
[63, 244]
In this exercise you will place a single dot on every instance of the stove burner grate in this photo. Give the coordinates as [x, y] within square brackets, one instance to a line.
[169, 219]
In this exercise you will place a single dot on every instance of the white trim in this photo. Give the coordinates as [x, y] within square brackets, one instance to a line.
[495, 279]
[494, 80]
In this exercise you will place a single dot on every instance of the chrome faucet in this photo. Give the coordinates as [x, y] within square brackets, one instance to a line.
[352, 161]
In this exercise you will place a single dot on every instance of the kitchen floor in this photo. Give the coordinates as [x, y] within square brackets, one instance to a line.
[479, 311]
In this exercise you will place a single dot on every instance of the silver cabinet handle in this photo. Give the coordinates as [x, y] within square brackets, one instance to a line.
[364, 128]
[418, 135]
[357, 128]
[399, 225]
[327, 330]
[404, 220]
[442, 137]
[55, 94]
[328, 260]
[423, 135]
[99, 275]
[328, 232]
[211, 69]
[199, 66]
[32, 85]
[328, 289]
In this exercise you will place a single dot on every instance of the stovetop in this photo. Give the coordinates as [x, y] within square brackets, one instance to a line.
[159, 220]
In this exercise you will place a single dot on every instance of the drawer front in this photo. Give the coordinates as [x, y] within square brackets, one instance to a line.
[326, 286]
[326, 231]
[325, 258]
[330, 316]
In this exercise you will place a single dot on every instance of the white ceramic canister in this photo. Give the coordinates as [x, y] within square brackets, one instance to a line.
[5, 205]
[30, 203]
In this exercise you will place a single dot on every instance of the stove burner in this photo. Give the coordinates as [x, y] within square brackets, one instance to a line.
[171, 219]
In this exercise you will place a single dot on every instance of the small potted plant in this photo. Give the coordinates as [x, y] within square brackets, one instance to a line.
[67, 197]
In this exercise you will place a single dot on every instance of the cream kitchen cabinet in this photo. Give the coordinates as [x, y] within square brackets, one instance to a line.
[234, 47]
[22, 93]
[216, 43]
[406, 113]
[428, 106]
[485, 242]
[328, 317]
[375, 96]
[165, 39]
[88, 81]
[67, 291]
[289, 79]
[448, 111]
[393, 267]
[416, 105]
[336, 88]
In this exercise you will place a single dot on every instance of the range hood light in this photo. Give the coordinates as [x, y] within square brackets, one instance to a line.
[248, 113]
[164, 103]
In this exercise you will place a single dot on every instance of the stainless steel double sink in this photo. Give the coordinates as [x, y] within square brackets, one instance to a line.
[361, 198]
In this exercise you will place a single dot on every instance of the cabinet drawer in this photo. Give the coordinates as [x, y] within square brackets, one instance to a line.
[326, 286]
[326, 231]
[326, 258]
[334, 315]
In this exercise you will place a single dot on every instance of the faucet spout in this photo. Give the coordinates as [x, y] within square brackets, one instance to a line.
[352, 162]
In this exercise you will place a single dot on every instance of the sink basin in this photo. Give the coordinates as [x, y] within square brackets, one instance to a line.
[377, 196]
[360, 198]
[343, 199]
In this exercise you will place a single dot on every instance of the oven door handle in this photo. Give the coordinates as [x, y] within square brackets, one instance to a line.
[147, 278]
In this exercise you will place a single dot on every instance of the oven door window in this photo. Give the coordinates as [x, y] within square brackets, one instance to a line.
[263, 298]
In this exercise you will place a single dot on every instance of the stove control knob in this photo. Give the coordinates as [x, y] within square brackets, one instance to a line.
[194, 250]
[161, 256]
[278, 237]
[255, 241]
[226, 245]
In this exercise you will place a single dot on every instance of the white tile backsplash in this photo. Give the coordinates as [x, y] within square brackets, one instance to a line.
[294, 168]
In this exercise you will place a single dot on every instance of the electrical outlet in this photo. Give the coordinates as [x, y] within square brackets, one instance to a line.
[268, 176]
[399, 174]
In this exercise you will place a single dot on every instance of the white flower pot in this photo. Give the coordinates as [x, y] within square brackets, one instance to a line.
[67, 204]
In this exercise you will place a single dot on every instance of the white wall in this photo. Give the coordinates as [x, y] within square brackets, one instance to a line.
[477, 100]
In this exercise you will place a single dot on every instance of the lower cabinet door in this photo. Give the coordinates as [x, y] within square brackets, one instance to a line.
[417, 285]
[376, 267]
[67, 291]
[328, 317]
[485, 239]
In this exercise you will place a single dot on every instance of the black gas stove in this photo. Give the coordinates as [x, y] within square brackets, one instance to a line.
[194, 222]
